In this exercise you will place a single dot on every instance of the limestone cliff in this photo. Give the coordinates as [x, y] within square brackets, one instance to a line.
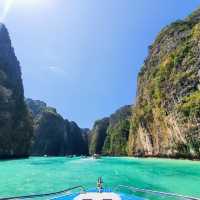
[15, 123]
[54, 136]
[118, 132]
[49, 131]
[109, 136]
[75, 139]
[166, 116]
[98, 135]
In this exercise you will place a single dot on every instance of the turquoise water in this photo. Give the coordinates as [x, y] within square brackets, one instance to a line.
[42, 175]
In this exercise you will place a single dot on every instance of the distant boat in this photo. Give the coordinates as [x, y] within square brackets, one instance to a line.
[96, 156]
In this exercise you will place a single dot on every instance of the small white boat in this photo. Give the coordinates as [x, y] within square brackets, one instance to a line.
[96, 156]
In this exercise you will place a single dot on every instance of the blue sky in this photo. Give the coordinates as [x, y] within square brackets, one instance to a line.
[83, 56]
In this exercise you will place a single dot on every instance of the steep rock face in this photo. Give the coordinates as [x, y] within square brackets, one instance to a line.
[109, 136]
[75, 139]
[54, 136]
[98, 135]
[35, 106]
[85, 135]
[166, 119]
[49, 134]
[85, 132]
[15, 123]
[118, 132]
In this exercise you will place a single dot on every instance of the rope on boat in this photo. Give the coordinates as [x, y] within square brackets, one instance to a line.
[43, 195]
[158, 193]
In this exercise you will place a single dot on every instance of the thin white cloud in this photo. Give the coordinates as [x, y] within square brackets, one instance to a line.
[56, 69]
[60, 71]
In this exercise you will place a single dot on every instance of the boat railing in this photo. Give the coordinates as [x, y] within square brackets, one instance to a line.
[157, 193]
[82, 189]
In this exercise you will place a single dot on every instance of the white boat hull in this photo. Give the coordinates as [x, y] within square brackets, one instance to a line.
[98, 196]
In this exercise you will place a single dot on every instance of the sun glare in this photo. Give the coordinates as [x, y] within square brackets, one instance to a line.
[7, 6]
[29, 2]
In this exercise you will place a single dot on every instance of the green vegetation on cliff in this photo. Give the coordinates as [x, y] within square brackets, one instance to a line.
[109, 136]
[54, 136]
[118, 132]
[166, 116]
[98, 135]
[15, 122]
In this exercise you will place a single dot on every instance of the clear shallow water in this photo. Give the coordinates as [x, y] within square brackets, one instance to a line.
[43, 175]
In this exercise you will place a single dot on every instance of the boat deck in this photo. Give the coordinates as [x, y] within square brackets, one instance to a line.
[98, 196]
